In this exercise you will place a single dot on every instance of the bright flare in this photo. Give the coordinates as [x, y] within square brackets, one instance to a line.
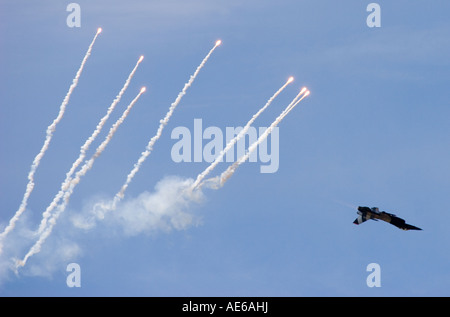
[231, 143]
[99, 30]
[143, 89]
[141, 58]
[232, 168]
[218, 42]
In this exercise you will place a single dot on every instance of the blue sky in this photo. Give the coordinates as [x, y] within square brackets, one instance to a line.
[373, 132]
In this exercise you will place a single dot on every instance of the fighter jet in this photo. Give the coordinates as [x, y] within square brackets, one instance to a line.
[366, 213]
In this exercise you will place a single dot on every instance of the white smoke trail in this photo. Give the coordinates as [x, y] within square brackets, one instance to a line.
[163, 123]
[169, 207]
[346, 204]
[50, 130]
[230, 144]
[84, 148]
[75, 181]
[232, 168]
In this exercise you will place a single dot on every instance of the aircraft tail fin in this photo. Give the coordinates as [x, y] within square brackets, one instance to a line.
[360, 219]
